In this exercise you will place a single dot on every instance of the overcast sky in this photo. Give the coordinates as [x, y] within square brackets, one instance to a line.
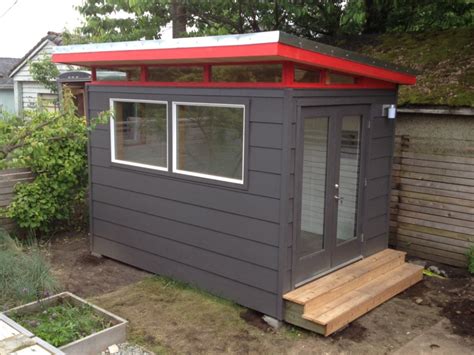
[28, 21]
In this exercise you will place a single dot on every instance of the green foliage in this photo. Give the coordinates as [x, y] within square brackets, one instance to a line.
[62, 324]
[470, 260]
[310, 19]
[45, 72]
[53, 145]
[24, 274]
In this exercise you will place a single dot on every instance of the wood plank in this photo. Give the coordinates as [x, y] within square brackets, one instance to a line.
[455, 198]
[423, 222]
[438, 218]
[432, 244]
[437, 164]
[437, 178]
[358, 302]
[437, 205]
[436, 231]
[434, 238]
[293, 314]
[429, 256]
[438, 171]
[436, 185]
[320, 286]
[441, 158]
[432, 251]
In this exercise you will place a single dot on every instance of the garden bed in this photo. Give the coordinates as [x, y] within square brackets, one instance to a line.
[70, 323]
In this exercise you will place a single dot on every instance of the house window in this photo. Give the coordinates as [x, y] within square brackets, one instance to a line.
[139, 133]
[307, 75]
[337, 78]
[176, 74]
[208, 140]
[118, 74]
[247, 73]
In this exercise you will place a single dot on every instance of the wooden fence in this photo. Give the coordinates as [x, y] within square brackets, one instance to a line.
[8, 179]
[432, 205]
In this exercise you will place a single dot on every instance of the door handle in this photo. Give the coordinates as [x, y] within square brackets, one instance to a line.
[339, 199]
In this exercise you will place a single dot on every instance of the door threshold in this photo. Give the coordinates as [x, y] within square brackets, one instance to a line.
[324, 273]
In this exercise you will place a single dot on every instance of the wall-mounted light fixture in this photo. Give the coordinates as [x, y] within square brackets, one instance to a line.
[389, 111]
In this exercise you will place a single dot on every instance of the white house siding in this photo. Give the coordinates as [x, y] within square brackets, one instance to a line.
[27, 89]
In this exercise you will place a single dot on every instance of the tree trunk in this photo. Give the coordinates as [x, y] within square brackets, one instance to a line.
[179, 18]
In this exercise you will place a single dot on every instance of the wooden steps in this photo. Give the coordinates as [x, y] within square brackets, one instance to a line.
[328, 304]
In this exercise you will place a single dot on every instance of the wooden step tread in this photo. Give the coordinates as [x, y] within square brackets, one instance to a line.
[363, 270]
[348, 307]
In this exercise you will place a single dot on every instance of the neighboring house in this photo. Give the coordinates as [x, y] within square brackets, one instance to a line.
[28, 93]
[6, 84]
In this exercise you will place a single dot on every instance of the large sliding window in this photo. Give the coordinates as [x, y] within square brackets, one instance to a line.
[208, 140]
[139, 133]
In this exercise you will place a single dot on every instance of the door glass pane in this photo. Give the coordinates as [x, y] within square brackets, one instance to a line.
[315, 147]
[348, 178]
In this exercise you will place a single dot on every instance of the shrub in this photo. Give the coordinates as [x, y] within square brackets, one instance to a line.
[54, 146]
[24, 274]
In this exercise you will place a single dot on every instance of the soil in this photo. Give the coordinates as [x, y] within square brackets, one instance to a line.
[166, 317]
[84, 274]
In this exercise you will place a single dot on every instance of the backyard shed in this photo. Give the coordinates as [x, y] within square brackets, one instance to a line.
[249, 165]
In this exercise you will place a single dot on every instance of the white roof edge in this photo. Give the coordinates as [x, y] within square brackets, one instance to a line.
[187, 42]
[461, 111]
[32, 54]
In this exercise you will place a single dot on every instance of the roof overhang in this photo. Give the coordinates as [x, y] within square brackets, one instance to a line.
[263, 46]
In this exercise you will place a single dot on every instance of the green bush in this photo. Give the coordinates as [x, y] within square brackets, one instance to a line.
[25, 276]
[54, 146]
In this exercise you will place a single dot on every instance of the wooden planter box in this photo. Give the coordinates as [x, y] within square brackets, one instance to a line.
[91, 344]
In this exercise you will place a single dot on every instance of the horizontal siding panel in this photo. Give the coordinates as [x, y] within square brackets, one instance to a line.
[379, 167]
[377, 226]
[267, 160]
[248, 296]
[382, 127]
[377, 206]
[226, 244]
[381, 147]
[378, 187]
[199, 216]
[249, 274]
[266, 135]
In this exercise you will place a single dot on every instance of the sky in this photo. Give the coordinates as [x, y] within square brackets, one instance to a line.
[24, 22]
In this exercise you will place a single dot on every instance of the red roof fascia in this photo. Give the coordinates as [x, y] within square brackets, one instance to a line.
[266, 51]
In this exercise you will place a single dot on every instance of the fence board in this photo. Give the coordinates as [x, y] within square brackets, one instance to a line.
[432, 203]
[8, 179]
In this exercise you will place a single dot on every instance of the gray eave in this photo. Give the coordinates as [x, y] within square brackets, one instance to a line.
[233, 40]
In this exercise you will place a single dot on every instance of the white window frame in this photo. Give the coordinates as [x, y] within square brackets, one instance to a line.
[112, 134]
[175, 148]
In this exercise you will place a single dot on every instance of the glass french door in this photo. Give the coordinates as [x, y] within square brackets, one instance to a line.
[329, 166]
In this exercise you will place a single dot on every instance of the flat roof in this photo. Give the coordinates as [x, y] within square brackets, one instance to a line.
[253, 47]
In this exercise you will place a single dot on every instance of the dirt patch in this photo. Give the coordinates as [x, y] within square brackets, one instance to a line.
[170, 317]
[83, 274]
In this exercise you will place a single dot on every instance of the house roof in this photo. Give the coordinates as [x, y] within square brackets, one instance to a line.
[6, 64]
[444, 59]
[54, 37]
[263, 46]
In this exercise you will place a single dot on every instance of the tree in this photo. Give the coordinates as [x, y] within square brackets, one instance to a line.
[45, 72]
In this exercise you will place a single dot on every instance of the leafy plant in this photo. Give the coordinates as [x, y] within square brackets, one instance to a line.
[470, 260]
[54, 146]
[62, 324]
[45, 72]
[24, 274]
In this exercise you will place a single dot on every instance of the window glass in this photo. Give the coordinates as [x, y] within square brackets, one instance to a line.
[306, 75]
[176, 74]
[253, 73]
[118, 74]
[336, 78]
[209, 141]
[140, 133]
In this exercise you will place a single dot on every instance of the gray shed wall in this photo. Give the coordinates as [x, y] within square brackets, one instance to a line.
[220, 238]
[235, 242]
